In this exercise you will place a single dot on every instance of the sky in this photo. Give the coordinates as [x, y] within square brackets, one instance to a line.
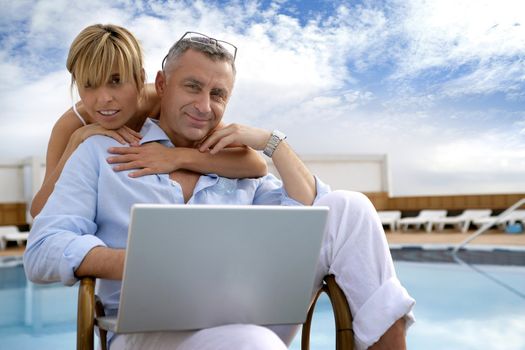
[437, 85]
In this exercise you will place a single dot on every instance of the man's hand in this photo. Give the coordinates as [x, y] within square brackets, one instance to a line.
[151, 158]
[236, 135]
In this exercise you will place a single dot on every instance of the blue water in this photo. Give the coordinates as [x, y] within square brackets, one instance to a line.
[457, 307]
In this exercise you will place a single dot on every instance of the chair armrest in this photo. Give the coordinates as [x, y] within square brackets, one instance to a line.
[344, 336]
[86, 314]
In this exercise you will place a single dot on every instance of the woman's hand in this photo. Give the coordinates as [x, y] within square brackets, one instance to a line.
[235, 135]
[123, 135]
[151, 158]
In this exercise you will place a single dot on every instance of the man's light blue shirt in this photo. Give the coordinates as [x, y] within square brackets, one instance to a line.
[90, 206]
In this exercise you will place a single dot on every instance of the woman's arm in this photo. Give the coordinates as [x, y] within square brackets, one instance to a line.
[297, 179]
[56, 157]
[66, 135]
[153, 158]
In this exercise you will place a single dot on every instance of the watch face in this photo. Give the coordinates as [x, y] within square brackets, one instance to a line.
[281, 136]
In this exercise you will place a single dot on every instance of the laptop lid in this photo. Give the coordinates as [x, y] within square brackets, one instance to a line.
[199, 266]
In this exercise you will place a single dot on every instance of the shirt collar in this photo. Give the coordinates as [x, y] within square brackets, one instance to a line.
[152, 132]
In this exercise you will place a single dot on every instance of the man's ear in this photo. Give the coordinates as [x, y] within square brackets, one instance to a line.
[160, 83]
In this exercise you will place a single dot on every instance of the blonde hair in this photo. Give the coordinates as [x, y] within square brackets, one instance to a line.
[96, 50]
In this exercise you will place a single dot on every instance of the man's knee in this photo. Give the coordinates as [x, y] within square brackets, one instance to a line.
[258, 337]
[237, 336]
[356, 201]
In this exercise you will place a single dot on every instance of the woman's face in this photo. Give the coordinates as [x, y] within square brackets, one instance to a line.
[112, 104]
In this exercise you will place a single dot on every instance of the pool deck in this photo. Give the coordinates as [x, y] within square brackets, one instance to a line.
[494, 238]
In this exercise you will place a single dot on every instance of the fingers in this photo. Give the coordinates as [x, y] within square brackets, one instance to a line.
[219, 139]
[127, 165]
[129, 135]
[146, 159]
[142, 172]
[124, 150]
[98, 130]
[222, 143]
[123, 135]
[116, 136]
[235, 135]
[133, 132]
[125, 161]
[121, 159]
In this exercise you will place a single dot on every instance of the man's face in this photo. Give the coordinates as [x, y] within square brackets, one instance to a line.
[194, 92]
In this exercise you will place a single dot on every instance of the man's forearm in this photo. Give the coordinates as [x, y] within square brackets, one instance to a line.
[102, 262]
[235, 162]
[297, 179]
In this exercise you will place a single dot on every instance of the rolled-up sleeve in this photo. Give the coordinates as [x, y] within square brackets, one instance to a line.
[64, 232]
[272, 192]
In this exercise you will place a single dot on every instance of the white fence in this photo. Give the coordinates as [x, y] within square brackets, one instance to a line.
[365, 173]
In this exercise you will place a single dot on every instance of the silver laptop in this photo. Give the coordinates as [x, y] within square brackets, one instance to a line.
[199, 266]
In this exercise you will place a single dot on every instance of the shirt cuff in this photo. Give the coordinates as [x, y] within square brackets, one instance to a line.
[74, 254]
[320, 189]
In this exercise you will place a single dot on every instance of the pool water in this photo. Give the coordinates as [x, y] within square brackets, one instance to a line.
[458, 306]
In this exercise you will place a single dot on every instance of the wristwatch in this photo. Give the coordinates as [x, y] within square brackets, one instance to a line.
[273, 142]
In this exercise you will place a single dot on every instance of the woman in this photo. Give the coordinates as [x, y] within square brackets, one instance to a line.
[106, 65]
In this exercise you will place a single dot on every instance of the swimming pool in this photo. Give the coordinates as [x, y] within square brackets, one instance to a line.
[459, 306]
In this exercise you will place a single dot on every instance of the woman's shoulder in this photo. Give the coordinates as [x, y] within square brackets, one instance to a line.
[69, 121]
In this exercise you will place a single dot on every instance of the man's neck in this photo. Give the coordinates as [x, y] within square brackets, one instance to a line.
[176, 139]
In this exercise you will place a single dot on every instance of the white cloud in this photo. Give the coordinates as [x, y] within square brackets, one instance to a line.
[363, 79]
[479, 154]
[449, 32]
[490, 77]
[444, 37]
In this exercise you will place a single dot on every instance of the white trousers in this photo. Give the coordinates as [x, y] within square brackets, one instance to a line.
[355, 250]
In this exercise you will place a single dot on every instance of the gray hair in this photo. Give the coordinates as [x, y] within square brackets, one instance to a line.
[210, 47]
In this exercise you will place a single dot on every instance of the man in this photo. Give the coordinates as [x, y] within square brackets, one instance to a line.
[83, 227]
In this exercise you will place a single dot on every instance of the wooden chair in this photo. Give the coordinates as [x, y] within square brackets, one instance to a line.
[90, 307]
[344, 334]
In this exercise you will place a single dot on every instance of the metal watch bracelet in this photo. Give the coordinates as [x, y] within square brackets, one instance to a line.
[273, 142]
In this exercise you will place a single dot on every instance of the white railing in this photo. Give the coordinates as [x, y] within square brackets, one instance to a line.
[488, 225]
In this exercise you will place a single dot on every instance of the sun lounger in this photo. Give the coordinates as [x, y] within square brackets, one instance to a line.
[389, 218]
[462, 221]
[11, 233]
[509, 219]
[421, 219]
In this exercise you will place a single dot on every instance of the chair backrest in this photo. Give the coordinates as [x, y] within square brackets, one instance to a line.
[4, 230]
[386, 215]
[8, 230]
[518, 214]
[475, 213]
[432, 213]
